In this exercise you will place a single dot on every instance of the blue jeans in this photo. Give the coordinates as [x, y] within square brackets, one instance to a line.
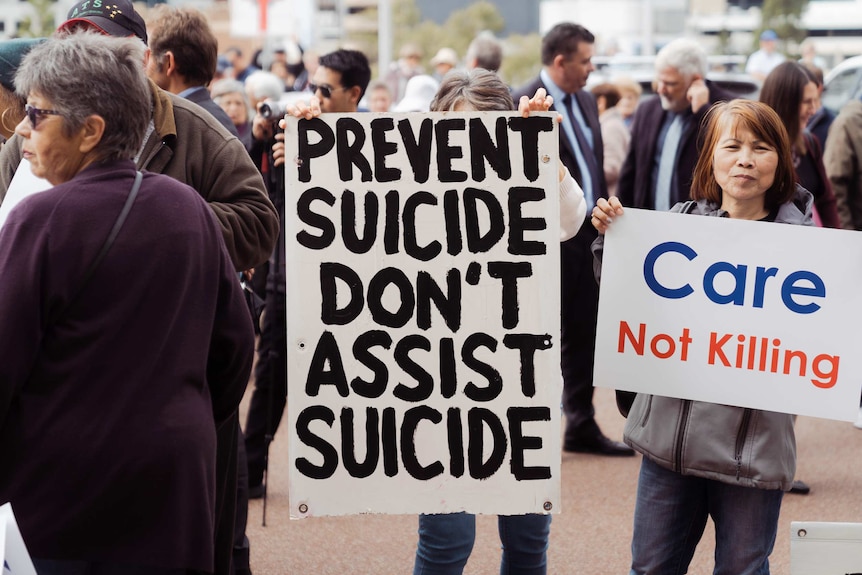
[446, 540]
[671, 513]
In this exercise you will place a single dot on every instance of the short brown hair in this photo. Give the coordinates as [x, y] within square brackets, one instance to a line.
[186, 34]
[765, 124]
[609, 92]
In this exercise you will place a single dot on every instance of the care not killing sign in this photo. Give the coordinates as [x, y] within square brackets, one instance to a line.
[423, 313]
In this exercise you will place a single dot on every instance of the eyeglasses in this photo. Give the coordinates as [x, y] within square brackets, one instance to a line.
[325, 91]
[33, 114]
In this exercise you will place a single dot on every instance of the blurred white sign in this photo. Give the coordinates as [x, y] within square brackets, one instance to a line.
[13, 553]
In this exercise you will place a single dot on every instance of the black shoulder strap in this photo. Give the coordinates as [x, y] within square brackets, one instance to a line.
[109, 241]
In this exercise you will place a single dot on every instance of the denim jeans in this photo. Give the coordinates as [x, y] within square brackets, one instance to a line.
[446, 540]
[671, 513]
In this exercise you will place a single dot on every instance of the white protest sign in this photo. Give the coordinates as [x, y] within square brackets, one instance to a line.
[751, 314]
[423, 313]
[23, 184]
[13, 552]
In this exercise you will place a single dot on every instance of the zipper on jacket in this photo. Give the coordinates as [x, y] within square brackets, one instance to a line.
[680, 433]
[740, 439]
[647, 411]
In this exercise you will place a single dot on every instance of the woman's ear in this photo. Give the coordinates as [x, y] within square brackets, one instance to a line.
[91, 133]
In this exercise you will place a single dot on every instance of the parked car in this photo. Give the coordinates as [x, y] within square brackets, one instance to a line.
[725, 71]
[842, 84]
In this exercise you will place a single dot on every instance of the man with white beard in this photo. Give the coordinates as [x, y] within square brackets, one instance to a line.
[657, 171]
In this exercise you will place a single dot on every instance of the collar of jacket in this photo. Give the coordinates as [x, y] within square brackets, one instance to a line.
[163, 113]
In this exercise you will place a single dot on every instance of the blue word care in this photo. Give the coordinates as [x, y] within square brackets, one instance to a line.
[746, 290]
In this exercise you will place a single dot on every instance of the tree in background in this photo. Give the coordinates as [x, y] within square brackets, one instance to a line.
[522, 56]
[41, 26]
[785, 17]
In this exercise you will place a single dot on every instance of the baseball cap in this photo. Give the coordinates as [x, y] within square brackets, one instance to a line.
[112, 17]
[768, 35]
[11, 54]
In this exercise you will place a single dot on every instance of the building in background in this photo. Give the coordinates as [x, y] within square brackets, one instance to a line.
[638, 27]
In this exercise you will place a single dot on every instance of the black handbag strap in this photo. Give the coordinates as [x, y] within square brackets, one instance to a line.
[109, 241]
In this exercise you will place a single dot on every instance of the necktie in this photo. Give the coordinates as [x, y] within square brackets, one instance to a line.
[586, 158]
[664, 181]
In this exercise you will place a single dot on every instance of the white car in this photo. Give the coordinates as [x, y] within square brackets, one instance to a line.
[842, 84]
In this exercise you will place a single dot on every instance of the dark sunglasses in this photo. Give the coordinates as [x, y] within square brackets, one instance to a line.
[33, 114]
[325, 91]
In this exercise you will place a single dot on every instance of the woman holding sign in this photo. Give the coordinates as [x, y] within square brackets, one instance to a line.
[703, 459]
[446, 539]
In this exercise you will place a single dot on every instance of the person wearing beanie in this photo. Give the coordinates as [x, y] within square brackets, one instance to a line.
[12, 105]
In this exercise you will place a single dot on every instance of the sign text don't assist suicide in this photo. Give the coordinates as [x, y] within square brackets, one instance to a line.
[423, 313]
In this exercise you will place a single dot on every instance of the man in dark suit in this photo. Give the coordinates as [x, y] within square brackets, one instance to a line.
[567, 51]
[183, 56]
[666, 129]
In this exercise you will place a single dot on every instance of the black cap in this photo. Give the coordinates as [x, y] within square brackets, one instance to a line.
[113, 17]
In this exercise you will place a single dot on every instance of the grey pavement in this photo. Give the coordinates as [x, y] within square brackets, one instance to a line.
[592, 534]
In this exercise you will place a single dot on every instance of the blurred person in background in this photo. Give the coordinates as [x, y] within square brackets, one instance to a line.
[630, 95]
[338, 84]
[11, 104]
[418, 94]
[791, 90]
[667, 127]
[822, 118]
[764, 60]
[182, 56]
[241, 67]
[445, 60]
[409, 64]
[485, 51]
[231, 96]
[615, 135]
[378, 96]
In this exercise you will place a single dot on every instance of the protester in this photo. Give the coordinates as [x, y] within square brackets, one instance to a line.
[188, 144]
[615, 134]
[379, 97]
[241, 68]
[104, 477]
[182, 57]
[409, 64]
[820, 122]
[791, 90]
[338, 84]
[567, 52]
[418, 94]
[182, 60]
[230, 95]
[11, 104]
[446, 540]
[485, 51]
[667, 128]
[444, 61]
[630, 95]
[764, 60]
[691, 468]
